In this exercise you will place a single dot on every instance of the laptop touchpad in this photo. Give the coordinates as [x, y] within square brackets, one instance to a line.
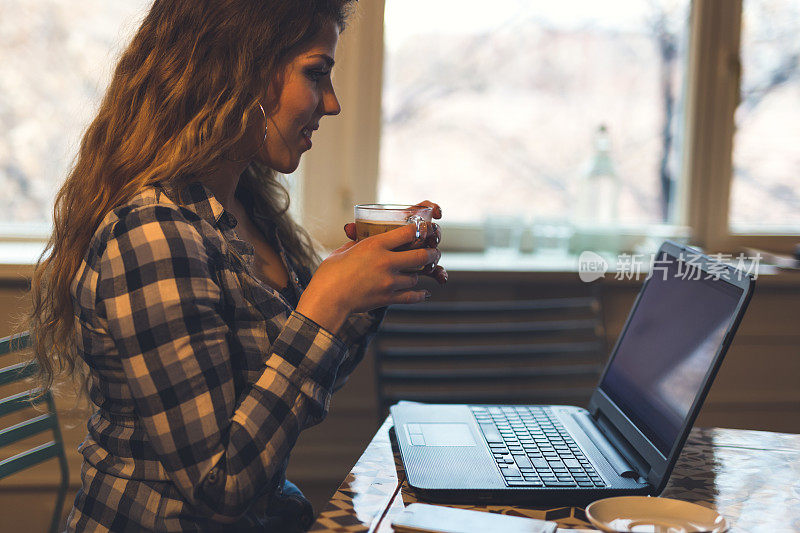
[440, 434]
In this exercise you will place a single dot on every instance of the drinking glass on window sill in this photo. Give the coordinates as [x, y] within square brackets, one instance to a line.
[503, 235]
[551, 237]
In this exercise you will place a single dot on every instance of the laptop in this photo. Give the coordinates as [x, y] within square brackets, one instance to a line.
[638, 417]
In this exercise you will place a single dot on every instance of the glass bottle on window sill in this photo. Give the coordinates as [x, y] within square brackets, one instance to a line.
[598, 194]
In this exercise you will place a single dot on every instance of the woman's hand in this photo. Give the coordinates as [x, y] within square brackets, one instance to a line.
[365, 275]
[432, 240]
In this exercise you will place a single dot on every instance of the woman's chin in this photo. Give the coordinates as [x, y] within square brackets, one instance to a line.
[284, 167]
[289, 168]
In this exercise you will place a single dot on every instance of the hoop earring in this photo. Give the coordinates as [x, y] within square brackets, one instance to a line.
[262, 140]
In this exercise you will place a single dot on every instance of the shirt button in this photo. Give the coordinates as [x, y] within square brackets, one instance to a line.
[212, 476]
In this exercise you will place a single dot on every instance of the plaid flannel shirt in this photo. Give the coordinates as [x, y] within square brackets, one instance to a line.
[202, 375]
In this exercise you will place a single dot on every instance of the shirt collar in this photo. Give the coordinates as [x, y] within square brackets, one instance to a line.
[199, 198]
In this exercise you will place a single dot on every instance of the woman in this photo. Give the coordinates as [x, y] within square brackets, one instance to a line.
[176, 274]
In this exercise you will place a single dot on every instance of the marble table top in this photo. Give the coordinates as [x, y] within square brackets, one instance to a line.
[751, 477]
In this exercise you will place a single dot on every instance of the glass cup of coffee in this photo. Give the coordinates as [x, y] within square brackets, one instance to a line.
[373, 219]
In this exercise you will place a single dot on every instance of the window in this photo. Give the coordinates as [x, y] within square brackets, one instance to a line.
[705, 196]
[765, 192]
[719, 163]
[519, 108]
[56, 59]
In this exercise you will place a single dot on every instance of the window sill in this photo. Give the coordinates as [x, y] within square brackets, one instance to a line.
[508, 262]
[18, 258]
[17, 261]
[472, 238]
[564, 267]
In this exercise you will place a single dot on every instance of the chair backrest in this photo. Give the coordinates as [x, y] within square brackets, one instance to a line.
[517, 351]
[27, 421]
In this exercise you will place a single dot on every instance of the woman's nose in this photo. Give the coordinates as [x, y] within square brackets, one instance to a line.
[330, 104]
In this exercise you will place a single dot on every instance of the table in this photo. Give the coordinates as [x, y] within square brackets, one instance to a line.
[751, 477]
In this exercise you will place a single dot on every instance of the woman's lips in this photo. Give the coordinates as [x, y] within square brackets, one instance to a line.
[305, 133]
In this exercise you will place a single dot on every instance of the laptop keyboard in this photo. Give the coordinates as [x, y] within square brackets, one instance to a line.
[533, 449]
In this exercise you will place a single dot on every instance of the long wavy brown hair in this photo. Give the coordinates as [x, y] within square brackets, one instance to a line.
[179, 101]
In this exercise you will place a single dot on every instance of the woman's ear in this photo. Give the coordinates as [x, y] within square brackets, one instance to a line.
[275, 86]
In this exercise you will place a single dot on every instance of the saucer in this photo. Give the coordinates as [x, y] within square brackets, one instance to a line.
[645, 514]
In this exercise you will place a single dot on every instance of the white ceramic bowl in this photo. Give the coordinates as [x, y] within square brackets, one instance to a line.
[645, 514]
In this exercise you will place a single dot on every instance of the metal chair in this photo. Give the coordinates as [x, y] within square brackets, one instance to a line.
[34, 422]
[518, 351]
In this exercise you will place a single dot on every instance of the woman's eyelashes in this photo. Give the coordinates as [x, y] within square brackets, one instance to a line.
[316, 74]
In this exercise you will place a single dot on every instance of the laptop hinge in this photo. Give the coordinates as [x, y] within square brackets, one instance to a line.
[622, 446]
[614, 458]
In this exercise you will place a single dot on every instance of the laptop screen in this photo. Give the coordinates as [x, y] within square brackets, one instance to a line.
[669, 346]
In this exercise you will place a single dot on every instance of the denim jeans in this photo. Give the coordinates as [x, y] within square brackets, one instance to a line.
[290, 512]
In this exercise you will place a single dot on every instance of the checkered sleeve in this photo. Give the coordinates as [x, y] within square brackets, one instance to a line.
[159, 293]
[356, 333]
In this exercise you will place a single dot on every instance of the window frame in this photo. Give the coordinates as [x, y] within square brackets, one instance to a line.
[342, 169]
[714, 77]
